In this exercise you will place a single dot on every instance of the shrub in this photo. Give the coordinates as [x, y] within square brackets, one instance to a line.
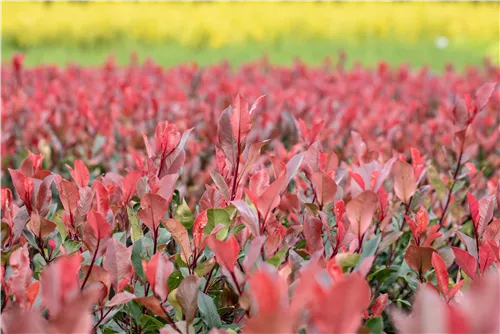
[298, 238]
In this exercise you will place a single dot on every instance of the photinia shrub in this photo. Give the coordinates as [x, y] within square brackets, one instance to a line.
[250, 219]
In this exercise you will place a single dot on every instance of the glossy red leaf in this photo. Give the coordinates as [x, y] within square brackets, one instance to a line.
[80, 174]
[313, 229]
[158, 271]
[226, 252]
[441, 273]
[379, 305]
[419, 258]
[465, 261]
[241, 122]
[153, 209]
[129, 186]
[181, 237]
[325, 188]
[117, 261]
[360, 211]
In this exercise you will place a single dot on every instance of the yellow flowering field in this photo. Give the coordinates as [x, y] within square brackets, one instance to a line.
[217, 24]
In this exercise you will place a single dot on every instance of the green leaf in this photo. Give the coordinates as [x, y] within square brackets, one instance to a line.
[163, 236]
[71, 246]
[204, 268]
[216, 217]
[30, 238]
[369, 249]
[382, 274]
[150, 324]
[313, 208]
[5, 255]
[136, 230]
[458, 185]
[184, 215]
[5, 232]
[402, 301]
[436, 182]
[347, 260]
[209, 311]
[376, 325]
[174, 280]
[137, 259]
[133, 309]
[57, 219]
[278, 258]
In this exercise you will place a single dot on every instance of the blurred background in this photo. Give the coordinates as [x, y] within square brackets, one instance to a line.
[418, 33]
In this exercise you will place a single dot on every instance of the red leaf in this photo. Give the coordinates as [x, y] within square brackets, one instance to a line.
[248, 216]
[486, 207]
[153, 304]
[313, 228]
[324, 187]
[227, 140]
[158, 271]
[483, 94]
[474, 209]
[422, 220]
[414, 228]
[405, 184]
[267, 291]
[454, 290]
[346, 300]
[241, 122]
[270, 198]
[153, 210]
[226, 252]
[254, 250]
[465, 261]
[257, 102]
[379, 305]
[187, 296]
[69, 195]
[99, 225]
[117, 261]
[486, 257]
[59, 281]
[360, 211]
[419, 258]
[102, 197]
[181, 237]
[129, 186]
[80, 174]
[121, 298]
[492, 231]
[441, 273]
[40, 226]
[18, 180]
[199, 228]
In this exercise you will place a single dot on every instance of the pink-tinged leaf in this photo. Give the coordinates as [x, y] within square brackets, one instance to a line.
[199, 228]
[174, 161]
[405, 184]
[359, 179]
[153, 304]
[492, 231]
[227, 140]
[419, 258]
[253, 154]
[293, 166]
[413, 227]
[18, 180]
[32, 293]
[279, 167]
[248, 216]
[483, 94]
[498, 195]
[257, 102]
[474, 209]
[121, 298]
[466, 262]
[388, 240]
[101, 196]
[153, 210]
[486, 207]
[469, 242]
[313, 229]
[270, 198]
[241, 122]
[20, 219]
[69, 195]
[80, 174]
[460, 113]
[379, 305]
[346, 300]
[384, 173]
[422, 220]
[495, 249]
[441, 273]
[226, 252]
[325, 188]
[59, 281]
[167, 186]
[181, 237]
[44, 196]
[98, 278]
[18, 321]
[220, 183]
[360, 211]
[455, 289]
[359, 144]
[254, 251]
[268, 291]
[149, 149]
[187, 296]
[117, 261]
[99, 225]
[40, 226]
[429, 314]
[129, 186]
[486, 257]
[158, 271]
[95, 232]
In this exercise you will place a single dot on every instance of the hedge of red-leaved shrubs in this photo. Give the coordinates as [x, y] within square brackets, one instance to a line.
[339, 201]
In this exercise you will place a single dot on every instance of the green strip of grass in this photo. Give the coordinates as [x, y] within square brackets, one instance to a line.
[369, 53]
